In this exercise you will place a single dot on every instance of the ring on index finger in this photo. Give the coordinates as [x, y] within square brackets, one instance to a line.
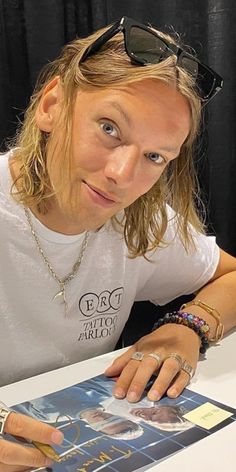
[4, 413]
[137, 356]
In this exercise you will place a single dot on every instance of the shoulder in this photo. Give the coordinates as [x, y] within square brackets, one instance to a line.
[4, 169]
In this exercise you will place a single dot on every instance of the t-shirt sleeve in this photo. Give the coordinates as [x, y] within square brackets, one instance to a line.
[174, 271]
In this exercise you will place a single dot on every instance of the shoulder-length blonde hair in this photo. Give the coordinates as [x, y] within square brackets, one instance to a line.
[146, 219]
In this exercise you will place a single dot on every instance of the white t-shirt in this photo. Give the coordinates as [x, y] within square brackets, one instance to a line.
[35, 335]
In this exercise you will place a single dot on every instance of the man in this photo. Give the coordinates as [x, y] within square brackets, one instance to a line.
[163, 417]
[111, 425]
[86, 228]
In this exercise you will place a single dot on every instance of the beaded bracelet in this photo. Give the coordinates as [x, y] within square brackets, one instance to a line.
[219, 332]
[193, 322]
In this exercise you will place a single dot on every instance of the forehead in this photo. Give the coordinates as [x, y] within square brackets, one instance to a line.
[149, 104]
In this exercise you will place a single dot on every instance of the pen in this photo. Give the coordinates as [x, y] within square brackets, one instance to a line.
[47, 450]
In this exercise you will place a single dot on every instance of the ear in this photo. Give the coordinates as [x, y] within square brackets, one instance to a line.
[48, 106]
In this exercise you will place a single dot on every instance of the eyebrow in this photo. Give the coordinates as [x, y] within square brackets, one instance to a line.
[117, 106]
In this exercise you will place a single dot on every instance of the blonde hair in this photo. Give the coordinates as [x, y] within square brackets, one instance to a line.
[145, 220]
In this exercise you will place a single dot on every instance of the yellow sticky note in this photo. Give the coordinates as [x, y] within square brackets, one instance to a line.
[207, 415]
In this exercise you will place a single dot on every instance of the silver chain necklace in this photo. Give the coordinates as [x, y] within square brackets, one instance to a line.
[62, 282]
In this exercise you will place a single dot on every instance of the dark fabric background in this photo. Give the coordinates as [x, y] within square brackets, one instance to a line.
[32, 33]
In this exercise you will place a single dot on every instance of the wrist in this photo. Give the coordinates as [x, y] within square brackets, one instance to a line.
[177, 332]
[209, 314]
[198, 325]
[197, 311]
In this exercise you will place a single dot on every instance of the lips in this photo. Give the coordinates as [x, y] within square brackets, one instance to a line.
[110, 198]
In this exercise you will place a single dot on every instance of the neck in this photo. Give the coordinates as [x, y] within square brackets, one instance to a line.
[57, 221]
[54, 219]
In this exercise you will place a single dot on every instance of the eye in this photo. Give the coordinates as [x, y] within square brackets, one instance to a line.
[155, 157]
[109, 129]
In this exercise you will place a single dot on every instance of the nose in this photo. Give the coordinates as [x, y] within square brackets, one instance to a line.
[123, 164]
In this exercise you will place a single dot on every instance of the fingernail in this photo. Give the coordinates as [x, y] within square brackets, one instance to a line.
[132, 397]
[57, 437]
[154, 395]
[172, 393]
[119, 392]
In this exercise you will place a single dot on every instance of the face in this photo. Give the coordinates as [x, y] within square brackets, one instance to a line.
[122, 140]
[97, 415]
[162, 414]
[119, 428]
[94, 416]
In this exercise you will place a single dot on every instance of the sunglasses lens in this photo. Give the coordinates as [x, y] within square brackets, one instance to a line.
[146, 47]
[190, 65]
[205, 80]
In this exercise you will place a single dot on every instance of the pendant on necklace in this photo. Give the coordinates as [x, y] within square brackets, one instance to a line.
[62, 293]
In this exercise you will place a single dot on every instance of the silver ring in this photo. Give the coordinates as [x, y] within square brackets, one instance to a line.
[188, 369]
[155, 356]
[4, 413]
[177, 357]
[137, 356]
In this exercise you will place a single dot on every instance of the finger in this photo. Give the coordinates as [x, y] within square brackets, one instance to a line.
[167, 373]
[123, 382]
[181, 382]
[15, 454]
[134, 378]
[119, 363]
[12, 468]
[29, 428]
[142, 376]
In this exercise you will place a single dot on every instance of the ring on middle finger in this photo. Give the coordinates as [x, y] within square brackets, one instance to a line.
[177, 357]
[155, 356]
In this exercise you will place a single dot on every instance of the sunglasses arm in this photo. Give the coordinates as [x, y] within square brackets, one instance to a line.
[94, 47]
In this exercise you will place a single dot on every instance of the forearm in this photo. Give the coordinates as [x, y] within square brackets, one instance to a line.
[173, 335]
[220, 294]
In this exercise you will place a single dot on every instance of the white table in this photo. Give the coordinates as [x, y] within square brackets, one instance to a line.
[215, 378]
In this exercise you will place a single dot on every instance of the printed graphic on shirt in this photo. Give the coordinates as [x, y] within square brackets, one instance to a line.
[99, 313]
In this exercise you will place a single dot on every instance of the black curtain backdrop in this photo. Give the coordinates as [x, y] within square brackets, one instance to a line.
[32, 33]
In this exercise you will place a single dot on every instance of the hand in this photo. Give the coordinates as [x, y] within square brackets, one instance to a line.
[16, 457]
[134, 375]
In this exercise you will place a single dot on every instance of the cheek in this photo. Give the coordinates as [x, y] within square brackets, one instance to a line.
[87, 151]
[85, 155]
[147, 179]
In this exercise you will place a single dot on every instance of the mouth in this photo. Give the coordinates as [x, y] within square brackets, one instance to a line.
[100, 197]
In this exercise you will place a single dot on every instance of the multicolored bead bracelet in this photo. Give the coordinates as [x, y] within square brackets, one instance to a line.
[200, 326]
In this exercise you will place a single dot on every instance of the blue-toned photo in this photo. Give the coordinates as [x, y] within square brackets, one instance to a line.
[104, 433]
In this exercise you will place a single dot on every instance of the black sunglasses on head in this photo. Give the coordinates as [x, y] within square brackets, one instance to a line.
[145, 46]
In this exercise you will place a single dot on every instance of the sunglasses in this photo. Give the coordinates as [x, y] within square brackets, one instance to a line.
[145, 46]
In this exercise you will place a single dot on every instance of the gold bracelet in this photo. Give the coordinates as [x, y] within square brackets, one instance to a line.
[213, 312]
